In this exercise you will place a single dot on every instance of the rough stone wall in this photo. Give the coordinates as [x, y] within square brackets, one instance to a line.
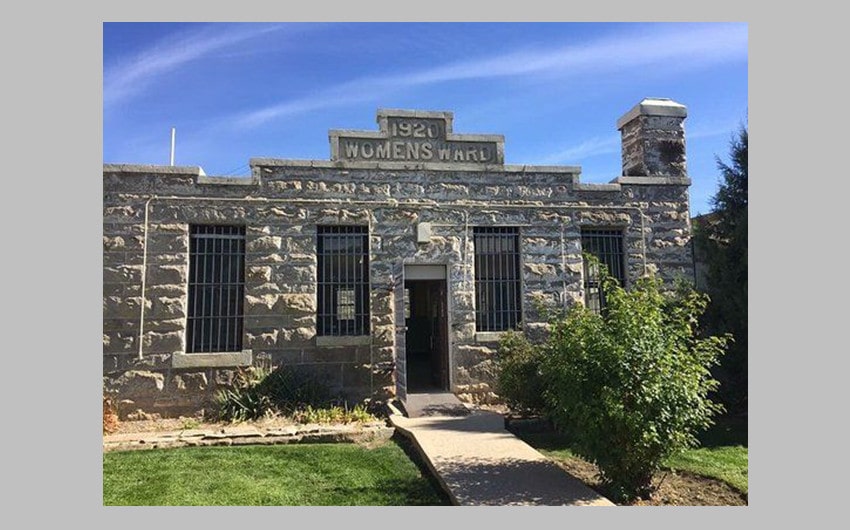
[654, 145]
[281, 208]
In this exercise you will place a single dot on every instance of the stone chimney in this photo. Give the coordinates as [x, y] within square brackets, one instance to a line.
[653, 139]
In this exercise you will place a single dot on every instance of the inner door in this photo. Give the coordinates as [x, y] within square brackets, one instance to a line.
[426, 352]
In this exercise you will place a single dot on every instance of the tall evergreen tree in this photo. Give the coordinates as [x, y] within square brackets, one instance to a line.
[722, 241]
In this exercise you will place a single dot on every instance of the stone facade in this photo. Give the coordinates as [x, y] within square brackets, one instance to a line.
[147, 212]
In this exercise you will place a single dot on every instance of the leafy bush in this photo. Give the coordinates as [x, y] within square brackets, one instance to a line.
[631, 386]
[518, 382]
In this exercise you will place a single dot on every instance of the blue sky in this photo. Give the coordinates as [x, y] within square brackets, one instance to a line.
[554, 90]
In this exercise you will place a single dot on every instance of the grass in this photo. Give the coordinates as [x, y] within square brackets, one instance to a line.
[288, 475]
[728, 464]
[723, 455]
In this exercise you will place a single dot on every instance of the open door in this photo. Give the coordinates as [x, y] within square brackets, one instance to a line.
[440, 334]
[400, 333]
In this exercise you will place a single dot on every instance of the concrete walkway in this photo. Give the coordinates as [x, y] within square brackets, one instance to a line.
[479, 463]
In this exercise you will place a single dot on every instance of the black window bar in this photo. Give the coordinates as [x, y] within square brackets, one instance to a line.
[497, 278]
[607, 247]
[216, 288]
[343, 280]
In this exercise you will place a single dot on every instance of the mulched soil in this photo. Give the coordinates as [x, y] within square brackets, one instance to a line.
[675, 488]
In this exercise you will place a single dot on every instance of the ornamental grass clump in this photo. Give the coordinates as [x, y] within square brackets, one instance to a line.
[258, 392]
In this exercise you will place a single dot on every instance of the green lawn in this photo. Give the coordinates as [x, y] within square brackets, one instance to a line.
[728, 464]
[302, 475]
[723, 455]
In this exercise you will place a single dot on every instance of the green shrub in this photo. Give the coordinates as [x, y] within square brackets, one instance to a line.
[631, 386]
[518, 382]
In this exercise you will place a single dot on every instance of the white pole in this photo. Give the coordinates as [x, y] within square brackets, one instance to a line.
[173, 132]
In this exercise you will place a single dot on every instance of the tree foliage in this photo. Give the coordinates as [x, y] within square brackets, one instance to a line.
[721, 241]
[630, 386]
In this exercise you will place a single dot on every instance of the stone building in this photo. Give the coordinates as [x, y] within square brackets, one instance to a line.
[391, 268]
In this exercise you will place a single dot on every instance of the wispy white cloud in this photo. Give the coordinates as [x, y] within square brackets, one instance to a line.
[697, 46]
[133, 75]
[592, 147]
[604, 145]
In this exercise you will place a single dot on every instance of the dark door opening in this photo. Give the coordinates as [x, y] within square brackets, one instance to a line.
[426, 338]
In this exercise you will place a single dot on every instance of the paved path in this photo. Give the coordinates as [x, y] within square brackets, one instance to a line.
[478, 463]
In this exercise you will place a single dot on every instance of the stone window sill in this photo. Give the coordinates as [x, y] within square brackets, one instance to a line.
[488, 336]
[211, 360]
[348, 340]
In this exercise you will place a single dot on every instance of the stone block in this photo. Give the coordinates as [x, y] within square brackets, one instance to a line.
[122, 290]
[281, 214]
[113, 243]
[119, 342]
[189, 382]
[467, 355]
[120, 307]
[383, 354]
[296, 337]
[167, 308]
[299, 274]
[342, 216]
[398, 216]
[297, 304]
[165, 324]
[383, 335]
[262, 341]
[135, 384]
[172, 228]
[123, 214]
[484, 372]
[343, 354]
[539, 269]
[123, 274]
[162, 342]
[258, 274]
[167, 290]
[444, 191]
[264, 244]
[168, 243]
[168, 274]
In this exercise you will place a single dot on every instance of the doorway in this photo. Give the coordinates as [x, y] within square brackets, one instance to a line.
[426, 337]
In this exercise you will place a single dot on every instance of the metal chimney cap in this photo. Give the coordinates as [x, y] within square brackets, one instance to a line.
[654, 107]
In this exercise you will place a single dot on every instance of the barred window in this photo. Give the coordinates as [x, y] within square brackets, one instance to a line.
[343, 280]
[607, 247]
[497, 278]
[216, 288]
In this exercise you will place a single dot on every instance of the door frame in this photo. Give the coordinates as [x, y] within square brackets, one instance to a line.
[445, 265]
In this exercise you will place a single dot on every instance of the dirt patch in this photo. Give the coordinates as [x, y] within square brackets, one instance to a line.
[185, 424]
[676, 488]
